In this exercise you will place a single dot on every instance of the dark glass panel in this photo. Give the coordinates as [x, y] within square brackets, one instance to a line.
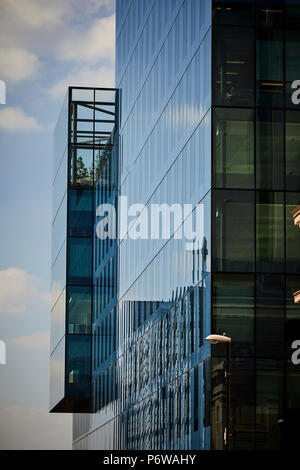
[78, 365]
[292, 235]
[79, 308]
[292, 311]
[233, 238]
[233, 311]
[292, 38]
[269, 232]
[270, 315]
[292, 151]
[269, 68]
[242, 403]
[270, 149]
[233, 148]
[80, 212]
[292, 13]
[206, 392]
[196, 398]
[269, 403]
[81, 166]
[234, 12]
[79, 261]
[270, 12]
[234, 66]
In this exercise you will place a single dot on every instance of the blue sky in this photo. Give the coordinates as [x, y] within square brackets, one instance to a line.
[44, 47]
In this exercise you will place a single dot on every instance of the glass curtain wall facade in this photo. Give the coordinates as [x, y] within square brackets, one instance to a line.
[163, 69]
[255, 247]
[207, 118]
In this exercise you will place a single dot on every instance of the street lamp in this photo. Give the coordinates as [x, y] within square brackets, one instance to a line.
[214, 339]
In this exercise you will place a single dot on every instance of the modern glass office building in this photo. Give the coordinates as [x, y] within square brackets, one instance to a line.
[204, 116]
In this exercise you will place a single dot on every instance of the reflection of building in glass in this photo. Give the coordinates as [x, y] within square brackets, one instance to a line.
[206, 117]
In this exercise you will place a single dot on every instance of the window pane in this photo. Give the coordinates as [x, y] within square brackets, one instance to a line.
[269, 232]
[292, 64]
[79, 309]
[81, 167]
[233, 238]
[80, 212]
[233, 311]
[234, 66]
[233, 148]
[79, 261]
[292, 13]
[292, 333]
[270, 12]
[269, 68]
[234, 12]
[242, 400]
[292, 151]
[269, 406]
[78, 365]
[270, 310]
[292, 235]
[269, 149]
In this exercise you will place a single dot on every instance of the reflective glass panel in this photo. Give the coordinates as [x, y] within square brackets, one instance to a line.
[270, 12]
[292, 235]
[292, 66]
[269, 406]
[292, 133]
[78, 365]
[233, 227]
[270, 315]
[234, 12]
[292, 13]
[80, 212]
[79, 305]
[269, 149]
[233, 148]
[234, 66]
[269, 68]
[81, 166]
[233, 311]
[269, 232]
[79, 261]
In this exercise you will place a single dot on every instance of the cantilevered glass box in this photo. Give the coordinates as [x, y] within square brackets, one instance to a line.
[83, 143]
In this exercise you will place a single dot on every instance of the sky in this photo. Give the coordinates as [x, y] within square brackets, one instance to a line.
[45, 46]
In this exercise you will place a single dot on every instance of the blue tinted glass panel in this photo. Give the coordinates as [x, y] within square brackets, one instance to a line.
[80, 212]
[79, 261]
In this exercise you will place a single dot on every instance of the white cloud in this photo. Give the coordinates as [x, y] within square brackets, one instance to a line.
[38, 340]
[92, 45]
[35, 13]
[21, 293]
[17, 64]
[25, 428]
[99, 77]
[14, 119]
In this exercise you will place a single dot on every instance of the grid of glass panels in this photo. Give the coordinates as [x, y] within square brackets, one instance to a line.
[255, 258]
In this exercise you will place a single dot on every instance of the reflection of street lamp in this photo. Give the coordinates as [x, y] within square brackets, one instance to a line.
[214, 339]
